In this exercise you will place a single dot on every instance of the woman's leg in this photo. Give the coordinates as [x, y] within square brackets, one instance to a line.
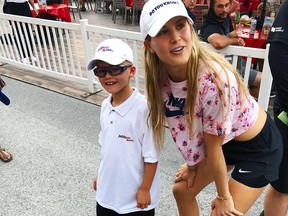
[275, 203]
[185, 198]
[243, 196]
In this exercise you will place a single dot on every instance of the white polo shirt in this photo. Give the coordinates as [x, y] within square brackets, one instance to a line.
[126, 143]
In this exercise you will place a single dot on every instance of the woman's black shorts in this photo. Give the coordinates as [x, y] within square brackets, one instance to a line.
[257, 160]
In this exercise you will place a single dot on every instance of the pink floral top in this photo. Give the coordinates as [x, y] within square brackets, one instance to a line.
[210, 117]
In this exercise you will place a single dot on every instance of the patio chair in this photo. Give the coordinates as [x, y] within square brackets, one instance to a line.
[137, 8]
[121, 6]
[74, 7]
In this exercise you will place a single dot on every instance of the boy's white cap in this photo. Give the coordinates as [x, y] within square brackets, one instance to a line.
[113, 51]
[156, 13]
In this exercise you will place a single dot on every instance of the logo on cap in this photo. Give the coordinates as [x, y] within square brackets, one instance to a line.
[104, 49]
[162, 5]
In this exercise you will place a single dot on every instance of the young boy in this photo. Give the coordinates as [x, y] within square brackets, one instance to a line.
[128, 177]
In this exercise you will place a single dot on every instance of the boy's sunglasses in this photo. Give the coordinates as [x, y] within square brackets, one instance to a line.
[112, 70]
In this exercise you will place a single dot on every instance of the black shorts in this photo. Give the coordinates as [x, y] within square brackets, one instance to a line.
[281, 185]
[101, 211]
[257, 160]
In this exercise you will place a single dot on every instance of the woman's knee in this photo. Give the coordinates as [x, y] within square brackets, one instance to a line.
[180, 190]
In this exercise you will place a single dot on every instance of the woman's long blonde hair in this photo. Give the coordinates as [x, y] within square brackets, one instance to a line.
[155, 74]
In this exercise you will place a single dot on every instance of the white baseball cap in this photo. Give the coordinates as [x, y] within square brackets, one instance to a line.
[156, 13]
[113, 51]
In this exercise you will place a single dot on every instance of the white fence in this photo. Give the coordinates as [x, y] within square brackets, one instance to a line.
[63, 50]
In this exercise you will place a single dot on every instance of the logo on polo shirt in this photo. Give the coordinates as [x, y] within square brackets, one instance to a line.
[128, 139]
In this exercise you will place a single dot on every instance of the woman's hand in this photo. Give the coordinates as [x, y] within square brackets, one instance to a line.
[186, 173]
[223, 207]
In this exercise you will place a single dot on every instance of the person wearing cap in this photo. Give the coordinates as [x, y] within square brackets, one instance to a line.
[214, 121]
[22, 8]
[4, 155]
[190, 5]
[128, 176]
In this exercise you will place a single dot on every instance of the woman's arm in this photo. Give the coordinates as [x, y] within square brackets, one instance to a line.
[143, 195]
[223, 204]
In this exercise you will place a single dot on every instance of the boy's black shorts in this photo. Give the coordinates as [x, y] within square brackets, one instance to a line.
[257, 160]
[101, 211]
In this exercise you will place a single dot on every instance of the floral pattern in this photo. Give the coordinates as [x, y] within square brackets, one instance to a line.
[229, 118]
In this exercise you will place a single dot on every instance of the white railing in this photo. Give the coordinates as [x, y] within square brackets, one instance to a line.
[266, 80]
[68, 47]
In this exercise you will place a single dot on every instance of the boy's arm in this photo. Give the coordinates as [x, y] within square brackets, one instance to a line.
[143, 194]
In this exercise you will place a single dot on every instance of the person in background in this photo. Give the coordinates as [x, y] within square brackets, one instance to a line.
[21, 8]
[4, 155]
[258, 17]
[234, 6]
[219, 32]
[214, 121]
[82, 5]
[190, 5]
[128, 177]
[244, 6]
[276, 199]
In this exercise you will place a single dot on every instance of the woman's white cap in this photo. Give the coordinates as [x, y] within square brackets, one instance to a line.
[156, 13]
[113, 51]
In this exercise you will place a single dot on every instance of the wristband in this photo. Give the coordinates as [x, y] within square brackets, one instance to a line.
[223, 197]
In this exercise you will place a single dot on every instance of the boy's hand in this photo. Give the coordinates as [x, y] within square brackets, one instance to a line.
[95, 183]
[143, 198]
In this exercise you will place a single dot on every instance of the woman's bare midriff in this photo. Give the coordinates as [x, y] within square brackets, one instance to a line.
[255, 129]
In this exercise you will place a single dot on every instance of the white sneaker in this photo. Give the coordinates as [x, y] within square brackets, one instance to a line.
[25, 61]
[33, 58]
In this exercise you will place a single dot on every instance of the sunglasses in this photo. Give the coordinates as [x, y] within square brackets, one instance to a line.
[112, 70]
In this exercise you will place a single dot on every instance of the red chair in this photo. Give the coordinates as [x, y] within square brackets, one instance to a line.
[253, 6]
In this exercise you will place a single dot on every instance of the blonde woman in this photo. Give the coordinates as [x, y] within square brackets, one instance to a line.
[216, 124]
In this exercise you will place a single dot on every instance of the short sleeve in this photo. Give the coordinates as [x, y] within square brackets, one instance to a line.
[217, 119]
[208, 30]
